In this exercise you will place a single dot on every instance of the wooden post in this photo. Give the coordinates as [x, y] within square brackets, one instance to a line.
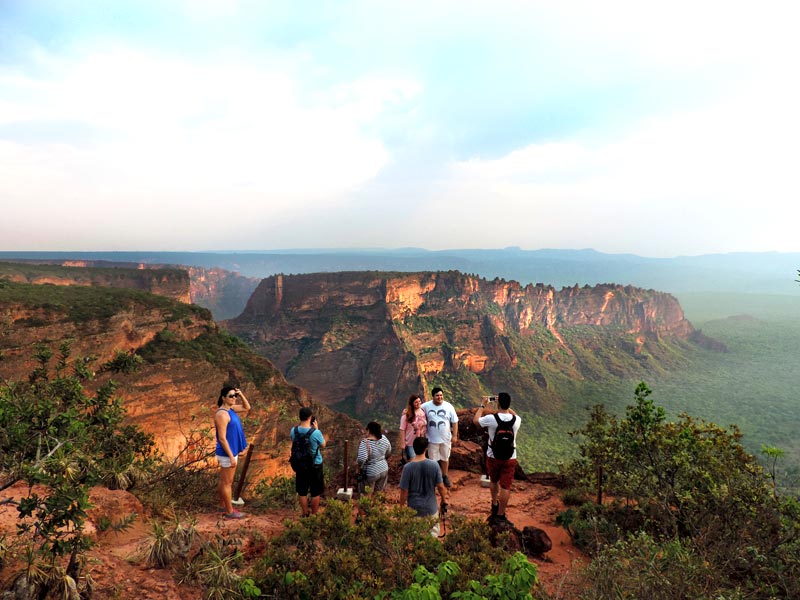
[245, 466]
[346, 466]
[599, 484]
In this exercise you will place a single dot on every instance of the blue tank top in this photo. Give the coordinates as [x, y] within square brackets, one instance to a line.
[234, 433]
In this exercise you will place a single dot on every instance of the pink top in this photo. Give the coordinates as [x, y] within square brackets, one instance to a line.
[418, 428]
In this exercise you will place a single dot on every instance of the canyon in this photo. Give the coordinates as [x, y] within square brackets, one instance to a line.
[363, 341]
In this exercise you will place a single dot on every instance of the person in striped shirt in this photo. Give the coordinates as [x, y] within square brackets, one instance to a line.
[372, 453]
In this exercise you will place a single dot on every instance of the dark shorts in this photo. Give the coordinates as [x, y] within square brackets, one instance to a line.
[312, 481]
[501, 471]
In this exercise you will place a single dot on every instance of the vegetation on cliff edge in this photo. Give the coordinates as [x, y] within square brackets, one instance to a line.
[680, 510]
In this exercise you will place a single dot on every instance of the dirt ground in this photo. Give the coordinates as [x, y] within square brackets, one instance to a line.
[118, 574]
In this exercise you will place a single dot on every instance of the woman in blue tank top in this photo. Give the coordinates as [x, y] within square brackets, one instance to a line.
[230, 443]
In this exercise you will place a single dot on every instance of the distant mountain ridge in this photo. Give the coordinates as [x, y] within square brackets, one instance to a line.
[363, 341]
[767, 272]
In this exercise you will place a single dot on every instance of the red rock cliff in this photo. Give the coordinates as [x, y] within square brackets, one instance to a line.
[366, 340]
[175, 394]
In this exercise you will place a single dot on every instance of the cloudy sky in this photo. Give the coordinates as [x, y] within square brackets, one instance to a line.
[656, 128]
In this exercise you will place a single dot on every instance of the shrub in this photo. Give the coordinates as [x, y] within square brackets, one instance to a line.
[691, 508]
[214, 567]
[52, 433]
[330, 556]
[124, 362]
[164, 544]
[277, 492]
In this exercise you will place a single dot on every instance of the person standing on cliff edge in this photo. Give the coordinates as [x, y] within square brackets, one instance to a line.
[501, 455]
[230, 443]
[442, 430]
[311, 481]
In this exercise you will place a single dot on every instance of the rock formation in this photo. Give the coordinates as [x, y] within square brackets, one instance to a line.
[186, 359]
[223, 292]
[363, 341]
[169, 282]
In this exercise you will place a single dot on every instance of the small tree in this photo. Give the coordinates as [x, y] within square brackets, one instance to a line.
[687, 488]
[52, 433]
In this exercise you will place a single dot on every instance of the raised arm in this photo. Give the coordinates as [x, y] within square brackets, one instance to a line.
[244, 406]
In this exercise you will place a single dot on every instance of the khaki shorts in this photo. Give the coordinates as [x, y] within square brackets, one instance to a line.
[439, 451]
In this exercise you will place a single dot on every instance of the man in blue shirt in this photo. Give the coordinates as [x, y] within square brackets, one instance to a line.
[419, 482]
[311, 480]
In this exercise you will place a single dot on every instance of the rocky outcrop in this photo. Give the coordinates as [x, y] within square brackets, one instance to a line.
[365, 340]
[186, 360]
[224, 293]
[169, 282]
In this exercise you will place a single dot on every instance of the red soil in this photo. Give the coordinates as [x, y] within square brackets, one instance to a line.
[118, 574]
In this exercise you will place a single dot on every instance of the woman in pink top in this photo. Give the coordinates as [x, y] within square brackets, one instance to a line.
[413, 424]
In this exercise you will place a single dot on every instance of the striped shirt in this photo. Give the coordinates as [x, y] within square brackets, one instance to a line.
[375, 463]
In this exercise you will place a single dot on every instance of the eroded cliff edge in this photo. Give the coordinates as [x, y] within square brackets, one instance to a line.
[182, 360]
[364, 340]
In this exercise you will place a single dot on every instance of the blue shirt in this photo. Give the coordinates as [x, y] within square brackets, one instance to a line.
[420, 479]
[316, 440]
[234, 433]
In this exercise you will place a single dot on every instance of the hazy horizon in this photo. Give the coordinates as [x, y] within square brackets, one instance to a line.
[215, 126]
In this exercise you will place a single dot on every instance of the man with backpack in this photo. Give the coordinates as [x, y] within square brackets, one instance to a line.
[501, 455]
[306, 461]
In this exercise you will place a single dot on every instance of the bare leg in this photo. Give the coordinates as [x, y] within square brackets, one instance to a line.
[224, 487]
[303, 504]
[495, 489]
[444, 465]
[314, 505]
[504, 496]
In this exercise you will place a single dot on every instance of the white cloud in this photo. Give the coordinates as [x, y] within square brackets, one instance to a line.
[626, 126]
[710, 180]
[181, 137]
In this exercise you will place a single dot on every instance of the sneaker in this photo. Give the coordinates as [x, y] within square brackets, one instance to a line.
[503, 521]
[234, 515]
[446, 481]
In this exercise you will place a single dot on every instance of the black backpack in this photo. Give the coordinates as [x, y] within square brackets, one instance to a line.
[503, 443]
[301, 458]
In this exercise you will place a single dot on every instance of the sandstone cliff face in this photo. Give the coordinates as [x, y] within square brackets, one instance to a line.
[175, 390]
[224, 293]
[168, 282]
[365, 340]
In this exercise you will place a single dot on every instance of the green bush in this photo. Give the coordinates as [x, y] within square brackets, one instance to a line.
[124, 362]
[693, 516]
[332, 556]
[277, 492]
[54, 434]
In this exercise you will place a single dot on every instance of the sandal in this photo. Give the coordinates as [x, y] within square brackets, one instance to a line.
[234, 515]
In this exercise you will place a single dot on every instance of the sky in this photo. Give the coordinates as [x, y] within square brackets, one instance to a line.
[653, 128]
